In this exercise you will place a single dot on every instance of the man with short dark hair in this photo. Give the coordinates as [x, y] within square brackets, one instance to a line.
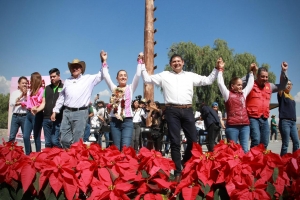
[178, 90]
[258, 102]
[51, 93]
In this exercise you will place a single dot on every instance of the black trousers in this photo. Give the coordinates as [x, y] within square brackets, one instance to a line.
[178, 119]
[212, 133]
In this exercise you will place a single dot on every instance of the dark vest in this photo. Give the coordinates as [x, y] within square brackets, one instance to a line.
[236, 109]
[258, 101]
[287, 107]
[51, 98]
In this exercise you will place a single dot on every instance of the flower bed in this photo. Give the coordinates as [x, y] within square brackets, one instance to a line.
[90, 172]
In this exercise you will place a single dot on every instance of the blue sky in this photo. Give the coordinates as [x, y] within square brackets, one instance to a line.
[39, 35]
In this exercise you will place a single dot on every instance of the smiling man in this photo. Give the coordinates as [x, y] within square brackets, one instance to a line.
[178, 93]
[75, 97]
[258, 102]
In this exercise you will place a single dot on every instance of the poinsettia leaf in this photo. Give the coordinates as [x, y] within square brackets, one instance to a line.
[206, 189]
[37, 181]
[216, 194]
[190, 192]
[4, 192]
[55, 183]
[20, 193]
[47, 190]
[51, 196]
[27, 176]
[14, 184]
[271, 189]
[70, 190]
[145, 174]
[275, 174]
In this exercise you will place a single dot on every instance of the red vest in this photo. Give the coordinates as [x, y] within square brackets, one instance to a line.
[258, 101]
[236, 109]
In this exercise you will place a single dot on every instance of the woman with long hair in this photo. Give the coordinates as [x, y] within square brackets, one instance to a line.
[33, 122]
[121, 124]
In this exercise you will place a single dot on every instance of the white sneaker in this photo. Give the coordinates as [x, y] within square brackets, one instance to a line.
[92, 138]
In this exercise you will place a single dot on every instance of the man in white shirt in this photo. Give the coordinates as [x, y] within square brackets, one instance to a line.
[75, 96]
[200, 127]
[178, 92]
[17, 100]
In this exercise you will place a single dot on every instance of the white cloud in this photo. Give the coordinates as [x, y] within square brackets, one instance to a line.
[104, 93]
[67, 72]
[297, 97]
[4, 85]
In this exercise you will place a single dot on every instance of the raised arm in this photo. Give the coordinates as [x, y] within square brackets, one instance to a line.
[106, 76]
[224, 91]
[137, 75]
[283, 79]
[151, 79]
[250, 83]
[208, 80]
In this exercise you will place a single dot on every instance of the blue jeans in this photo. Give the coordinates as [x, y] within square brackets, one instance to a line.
[33, 123]
[72, 126]
[121, 132]
[259, 131]
[16, 122]
[288, 128]
[51, 133]
[241, 133]
[87, 132]
[178, 119]
[106, 136]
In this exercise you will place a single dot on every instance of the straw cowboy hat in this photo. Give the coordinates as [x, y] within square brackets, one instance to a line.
[75, 62]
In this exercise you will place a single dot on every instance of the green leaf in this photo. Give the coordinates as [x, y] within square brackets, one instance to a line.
[51, 196]
[36, 182]
[145, 174]
[216, 194]
[14, 184]
[61, 196]
[206, 189]
[199, 197]
[4, 191]
[178, 196]
[275, 174]
[47, 190]
[20, 193]
[271, 189]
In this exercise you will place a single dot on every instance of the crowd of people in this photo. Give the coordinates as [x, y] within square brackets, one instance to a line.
[66, 113]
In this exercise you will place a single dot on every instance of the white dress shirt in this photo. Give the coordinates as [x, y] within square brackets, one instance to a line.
[178, 88]
[12, 102]
[77, 92]
[199, 123]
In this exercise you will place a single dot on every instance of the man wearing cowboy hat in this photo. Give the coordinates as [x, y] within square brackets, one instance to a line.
[75, 97]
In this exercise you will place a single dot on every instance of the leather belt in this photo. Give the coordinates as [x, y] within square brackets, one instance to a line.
[181, 106]
[75, 109]
[19, 114]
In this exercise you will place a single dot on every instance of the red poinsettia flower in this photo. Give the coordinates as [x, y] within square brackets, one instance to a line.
[248, 189]
[110, 186]
[60, 172]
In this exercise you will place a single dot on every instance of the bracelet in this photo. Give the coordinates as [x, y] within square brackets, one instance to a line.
[104, 65]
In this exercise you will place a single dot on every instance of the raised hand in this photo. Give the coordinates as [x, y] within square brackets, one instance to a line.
[220, 64]
[140, 58]
[103, 56]
[253, 68]
[284, 66]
